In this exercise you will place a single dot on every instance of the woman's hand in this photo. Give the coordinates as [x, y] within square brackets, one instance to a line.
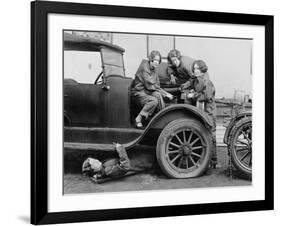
[185, 85]
[173, 79]
[190, 95]
[169, 96]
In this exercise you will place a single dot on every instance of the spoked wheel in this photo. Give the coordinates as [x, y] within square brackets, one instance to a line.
[241, 147]
[184, 149]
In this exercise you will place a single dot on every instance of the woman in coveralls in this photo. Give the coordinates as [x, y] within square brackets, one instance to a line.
[146, 91]
[203, 91]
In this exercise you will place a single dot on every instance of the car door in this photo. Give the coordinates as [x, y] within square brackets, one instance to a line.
[82, 97]
[115, 98]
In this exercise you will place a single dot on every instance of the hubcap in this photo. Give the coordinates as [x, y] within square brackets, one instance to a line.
[185, 150]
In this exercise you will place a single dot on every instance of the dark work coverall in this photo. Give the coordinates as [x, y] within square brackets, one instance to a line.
[205, 92]
[115, 167]
[146, 91]
[183, 72]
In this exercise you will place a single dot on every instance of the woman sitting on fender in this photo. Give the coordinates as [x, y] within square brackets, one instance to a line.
[146, 91]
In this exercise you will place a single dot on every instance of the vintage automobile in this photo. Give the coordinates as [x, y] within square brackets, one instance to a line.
[100, 113]
[238, 137]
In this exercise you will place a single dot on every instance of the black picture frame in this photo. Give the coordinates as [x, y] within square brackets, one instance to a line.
[39, 112]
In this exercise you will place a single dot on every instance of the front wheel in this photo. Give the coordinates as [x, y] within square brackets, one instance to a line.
[184, 149]
[241, 147]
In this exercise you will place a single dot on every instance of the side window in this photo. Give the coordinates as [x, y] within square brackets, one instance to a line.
[112, 62]
[82, 66]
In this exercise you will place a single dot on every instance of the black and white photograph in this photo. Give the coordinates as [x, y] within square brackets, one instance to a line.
[149, 111]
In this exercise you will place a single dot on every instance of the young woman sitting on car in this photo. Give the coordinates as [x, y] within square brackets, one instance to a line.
[146, 91]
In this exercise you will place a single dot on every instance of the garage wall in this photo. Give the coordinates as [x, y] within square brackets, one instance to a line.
[229, 60]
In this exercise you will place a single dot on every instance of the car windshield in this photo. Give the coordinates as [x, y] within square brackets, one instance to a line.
[112, 62]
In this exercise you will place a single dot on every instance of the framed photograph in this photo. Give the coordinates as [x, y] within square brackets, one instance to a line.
[145, 112]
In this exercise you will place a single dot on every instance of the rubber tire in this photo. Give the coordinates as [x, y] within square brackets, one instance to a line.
[162, 145]
[243, 172]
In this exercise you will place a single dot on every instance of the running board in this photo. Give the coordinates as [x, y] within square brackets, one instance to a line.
[88, 146]
[71, 146]
[95, 135]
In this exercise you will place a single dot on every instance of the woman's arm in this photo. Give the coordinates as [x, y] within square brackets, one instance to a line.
[147, 81]
[207, 93]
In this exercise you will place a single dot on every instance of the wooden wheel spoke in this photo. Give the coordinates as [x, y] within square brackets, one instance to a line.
[178, 139]
[186, 163]
[190, 136]
[245, 135]
[192, 160]
[250, 136]
[174, 159]
[193, 142]
[195, 154]
[241, 149]
[196, 148]
[180, 162]
[173, 144]
[244, 156]
[184, 137]
[174, 151]
[250, 161]
[242, 142]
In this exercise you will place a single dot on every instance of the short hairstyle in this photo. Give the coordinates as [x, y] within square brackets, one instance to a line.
[202, 66]
[153, 54]
[174, 53]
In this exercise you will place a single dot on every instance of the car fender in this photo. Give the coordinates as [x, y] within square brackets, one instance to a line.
[232, 122]
[171, 113]
[168, 114]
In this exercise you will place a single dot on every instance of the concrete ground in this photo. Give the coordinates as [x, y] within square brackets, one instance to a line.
[75, 182]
